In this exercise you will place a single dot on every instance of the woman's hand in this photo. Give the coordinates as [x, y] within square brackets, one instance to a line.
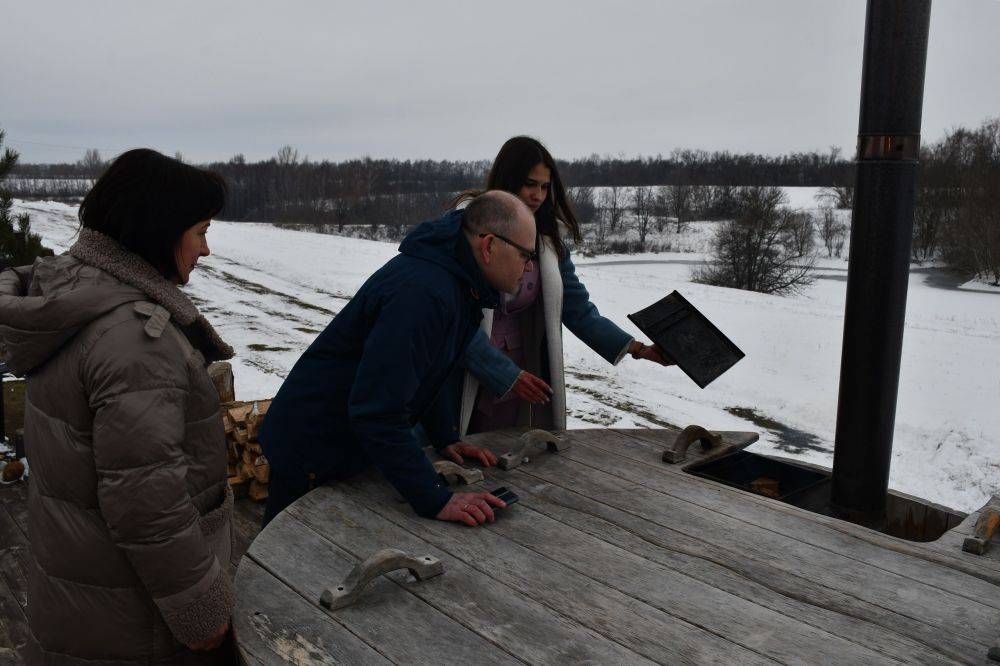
[470, 508]
[650, 353]
[213, 641]
[482, 454]
[532, 389]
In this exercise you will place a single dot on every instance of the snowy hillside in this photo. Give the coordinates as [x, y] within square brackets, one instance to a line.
[270, 291]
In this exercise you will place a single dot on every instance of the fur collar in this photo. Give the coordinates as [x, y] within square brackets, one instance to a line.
[95, 249]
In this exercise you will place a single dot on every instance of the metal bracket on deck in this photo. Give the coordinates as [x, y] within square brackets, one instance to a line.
[986, 526]
[449, 469]
[693, 433]
[528, 441]
[378, 564]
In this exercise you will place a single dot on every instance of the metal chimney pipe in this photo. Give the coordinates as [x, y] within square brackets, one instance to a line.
[892, 89]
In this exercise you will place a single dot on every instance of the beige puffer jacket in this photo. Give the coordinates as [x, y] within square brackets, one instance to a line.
[128, 507]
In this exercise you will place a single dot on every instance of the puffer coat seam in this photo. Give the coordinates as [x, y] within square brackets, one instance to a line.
[87, 343]
[147, 389]
[72, 581]
[150, 465]
[78, 505]
[75, 431]
[208, 418]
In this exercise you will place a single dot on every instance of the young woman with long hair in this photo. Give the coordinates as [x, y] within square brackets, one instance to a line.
[515, 371]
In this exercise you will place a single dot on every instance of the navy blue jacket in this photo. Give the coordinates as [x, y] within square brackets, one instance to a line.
[378, 370]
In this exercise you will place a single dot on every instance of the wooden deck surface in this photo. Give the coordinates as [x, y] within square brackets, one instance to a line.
[611, 556]
[14, 559]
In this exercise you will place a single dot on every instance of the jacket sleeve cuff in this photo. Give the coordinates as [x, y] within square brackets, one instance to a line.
[622, 353]
[431, 509]
[512, 383]
[490, 366]
[200, 618]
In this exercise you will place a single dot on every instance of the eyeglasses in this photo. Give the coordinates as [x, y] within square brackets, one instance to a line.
[526, 254]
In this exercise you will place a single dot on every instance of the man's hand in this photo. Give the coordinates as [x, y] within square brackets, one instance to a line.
[457, 450]
[532, 389]
[213, 641]
[470, 508]
[650, 353]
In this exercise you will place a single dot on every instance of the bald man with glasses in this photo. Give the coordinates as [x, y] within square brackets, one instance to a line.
[385, 363]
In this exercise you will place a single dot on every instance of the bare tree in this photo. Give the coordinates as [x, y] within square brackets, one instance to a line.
[288, 156]
[643, 203]
[935, 210]
[832, 231]
[679, 201]
[970, 241]
[92, 163]
[762, 249]
[802, 233]
[838, 196]
[613, 207]
[584, 205]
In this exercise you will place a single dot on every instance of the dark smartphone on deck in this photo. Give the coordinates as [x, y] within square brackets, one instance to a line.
[508, 496]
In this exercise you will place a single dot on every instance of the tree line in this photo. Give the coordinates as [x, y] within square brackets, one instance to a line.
[286, 188]
[955, 221]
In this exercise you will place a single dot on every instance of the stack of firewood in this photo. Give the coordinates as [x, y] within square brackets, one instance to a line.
[248, 469]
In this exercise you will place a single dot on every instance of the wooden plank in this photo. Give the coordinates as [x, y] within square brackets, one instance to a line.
[655, 633]
[837, 613]
[273, 624]
[247, 517]
[13, 623]
[13, 575]
[14, 572]
[644, 448]
[608, 453]
[303, 559]
[743, 621]
[938, 609]
[11, 535]
[13, 558]
[522, 625]
[15, 498]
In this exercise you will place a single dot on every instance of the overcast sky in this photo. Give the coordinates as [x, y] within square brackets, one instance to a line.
[453, 80]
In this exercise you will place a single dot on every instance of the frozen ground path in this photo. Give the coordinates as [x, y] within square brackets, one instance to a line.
[270, 291]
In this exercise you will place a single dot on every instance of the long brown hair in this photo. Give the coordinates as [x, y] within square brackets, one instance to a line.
[510, 169]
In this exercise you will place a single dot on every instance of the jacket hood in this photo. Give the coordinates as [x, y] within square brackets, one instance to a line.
[442, 242]
[45, 305]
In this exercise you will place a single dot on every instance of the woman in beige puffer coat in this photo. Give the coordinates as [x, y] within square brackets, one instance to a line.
[129, 513]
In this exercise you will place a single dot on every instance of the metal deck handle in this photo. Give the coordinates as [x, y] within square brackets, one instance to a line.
[529, 441]
[693, 433]
[449, 469]
[378, 564]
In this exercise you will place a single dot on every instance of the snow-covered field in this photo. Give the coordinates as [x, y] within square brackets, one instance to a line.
[270, 291]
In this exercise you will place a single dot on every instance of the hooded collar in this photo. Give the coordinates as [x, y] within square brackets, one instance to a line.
[442, 242]
[95, 249]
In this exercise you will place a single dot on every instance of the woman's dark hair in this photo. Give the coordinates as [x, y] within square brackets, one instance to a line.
[146, 201]
[510, 169]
